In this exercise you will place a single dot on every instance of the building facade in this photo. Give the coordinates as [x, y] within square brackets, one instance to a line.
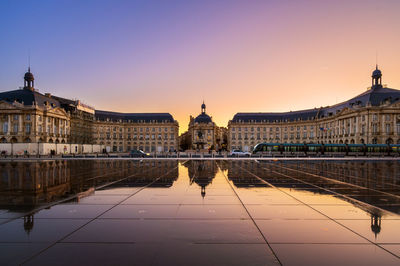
[28, 116]
[201, 131]
[371, 117]
[149, 132]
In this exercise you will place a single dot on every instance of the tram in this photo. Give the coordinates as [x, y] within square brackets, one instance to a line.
[328, 150]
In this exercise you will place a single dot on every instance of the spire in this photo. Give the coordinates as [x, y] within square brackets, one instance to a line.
[203, 108]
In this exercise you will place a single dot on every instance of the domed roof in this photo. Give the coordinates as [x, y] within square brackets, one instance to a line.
[29, 76]
[203, 118]
[377, 73]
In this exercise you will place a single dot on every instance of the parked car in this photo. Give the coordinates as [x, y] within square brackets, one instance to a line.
[138, 153]
[240, 153]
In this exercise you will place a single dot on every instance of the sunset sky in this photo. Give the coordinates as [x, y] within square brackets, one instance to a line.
[169, 56]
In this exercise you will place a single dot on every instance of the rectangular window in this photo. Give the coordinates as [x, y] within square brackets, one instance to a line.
[28, 128]
[5, 127]
[28, 117]
[15, 117]
[387, 128]
[15, 128]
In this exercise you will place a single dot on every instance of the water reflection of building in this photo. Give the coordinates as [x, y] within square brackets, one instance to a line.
[24, 185]
[202, 173]
[239, 173]
[142, 173]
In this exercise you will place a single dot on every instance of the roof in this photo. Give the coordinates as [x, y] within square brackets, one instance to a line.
[134, 117]
[272, 117]
[203, 118]
[28, 97]
[374, 97]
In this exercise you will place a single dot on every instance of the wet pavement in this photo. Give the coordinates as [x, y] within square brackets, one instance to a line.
[200, 212]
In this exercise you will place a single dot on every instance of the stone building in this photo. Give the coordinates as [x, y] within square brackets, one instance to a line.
[29, 116]
[202, 131]
[150, 132]
[81, 116]
[371, 117]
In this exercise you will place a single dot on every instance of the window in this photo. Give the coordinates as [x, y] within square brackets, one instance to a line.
[28, 128]
[387, 117]
[40, 118]
[172, 136]
[387, 128]
[374, 128]
[15, 128]
[28, 117]
[15, 117]
[233, 136]
[5, 127]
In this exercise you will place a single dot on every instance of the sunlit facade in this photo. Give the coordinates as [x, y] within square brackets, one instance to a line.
[372, 117]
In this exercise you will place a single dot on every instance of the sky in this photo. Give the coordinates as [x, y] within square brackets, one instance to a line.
[169, 56]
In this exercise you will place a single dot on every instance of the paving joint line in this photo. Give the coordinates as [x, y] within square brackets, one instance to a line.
[248, 213]
[91, 220]
[335, 221]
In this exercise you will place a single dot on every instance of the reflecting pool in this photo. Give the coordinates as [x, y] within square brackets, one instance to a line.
[200, 212]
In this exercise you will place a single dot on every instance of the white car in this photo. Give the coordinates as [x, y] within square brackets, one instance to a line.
[240, 153]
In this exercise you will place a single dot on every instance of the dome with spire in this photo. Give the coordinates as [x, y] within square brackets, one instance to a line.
[203, 117]
[29, 76]
[376, 73]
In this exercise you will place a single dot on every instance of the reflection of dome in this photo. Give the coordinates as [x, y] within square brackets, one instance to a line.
[375, 224]
[28, 223]
[202, 173]
[203, 118]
